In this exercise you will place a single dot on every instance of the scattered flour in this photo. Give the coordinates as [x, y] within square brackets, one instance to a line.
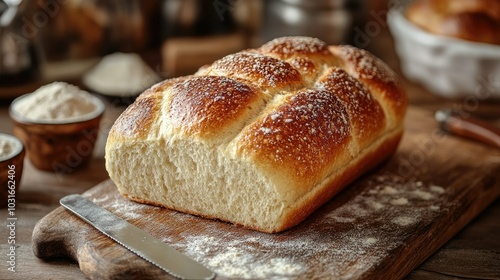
[424, 195]
[434, 208]
[389, 190]
[437, 189]
[404, 221]
[128, 210]
[243, 257]
[236, 262]
[369, 241]
[376, 205]
[344, 219]
[123, 208]
[399, 201]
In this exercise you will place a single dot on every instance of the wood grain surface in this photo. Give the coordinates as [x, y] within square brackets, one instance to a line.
[383, 225]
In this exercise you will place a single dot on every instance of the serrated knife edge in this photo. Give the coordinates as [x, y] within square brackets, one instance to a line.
[136, 240]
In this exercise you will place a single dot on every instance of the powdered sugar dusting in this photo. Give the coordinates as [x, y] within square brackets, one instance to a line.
[195, 100]
[366, 66]
[251, 66]
[306, 129]
[286, 47]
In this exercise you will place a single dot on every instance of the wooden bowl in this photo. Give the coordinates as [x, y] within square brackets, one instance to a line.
[61, 146]
[11, 170]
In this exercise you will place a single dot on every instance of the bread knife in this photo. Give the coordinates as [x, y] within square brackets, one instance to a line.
[136, 240]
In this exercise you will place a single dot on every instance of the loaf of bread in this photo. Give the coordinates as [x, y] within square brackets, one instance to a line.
[260, 138]
[473, 20]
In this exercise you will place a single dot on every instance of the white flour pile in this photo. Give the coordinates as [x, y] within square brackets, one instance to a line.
[121, 74]
[57, 101]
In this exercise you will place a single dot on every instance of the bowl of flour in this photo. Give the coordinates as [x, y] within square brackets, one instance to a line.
[58, 125]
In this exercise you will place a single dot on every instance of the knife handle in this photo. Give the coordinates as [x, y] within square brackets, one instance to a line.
[469, 127]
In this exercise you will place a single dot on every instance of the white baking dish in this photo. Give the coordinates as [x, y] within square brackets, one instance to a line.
[449, 67]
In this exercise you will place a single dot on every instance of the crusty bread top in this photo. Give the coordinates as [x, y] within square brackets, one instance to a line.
[296, 107]
[473, 20]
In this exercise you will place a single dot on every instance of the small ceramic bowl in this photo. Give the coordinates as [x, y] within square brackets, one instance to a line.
[61, 146]
[11, 169]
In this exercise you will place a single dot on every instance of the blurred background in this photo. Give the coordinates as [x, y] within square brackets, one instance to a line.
[47, 40]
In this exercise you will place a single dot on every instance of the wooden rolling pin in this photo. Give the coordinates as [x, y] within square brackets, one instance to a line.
[468, 126]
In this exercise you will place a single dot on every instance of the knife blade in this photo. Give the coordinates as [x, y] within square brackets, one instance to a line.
[136, 240]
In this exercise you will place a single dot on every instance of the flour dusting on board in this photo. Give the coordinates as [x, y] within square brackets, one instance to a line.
[123, 208]
[356, 233]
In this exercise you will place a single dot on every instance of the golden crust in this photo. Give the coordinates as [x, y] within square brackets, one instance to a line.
[368, 119]
[288, 47]
[307, 55]
[382, 82]
[157, 91]
[135, 122]
[258, 69]
[204, 105]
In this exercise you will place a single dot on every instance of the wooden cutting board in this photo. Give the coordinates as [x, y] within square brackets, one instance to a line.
[382, 226]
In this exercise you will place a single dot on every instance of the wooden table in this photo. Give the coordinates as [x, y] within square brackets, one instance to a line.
[473, 253]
